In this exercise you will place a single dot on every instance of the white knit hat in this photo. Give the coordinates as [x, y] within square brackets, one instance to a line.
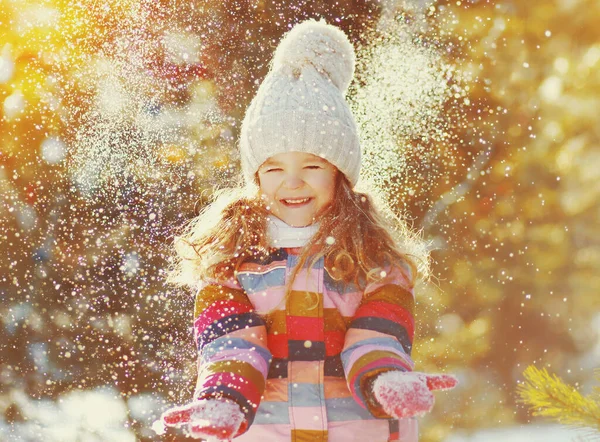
[300, 104]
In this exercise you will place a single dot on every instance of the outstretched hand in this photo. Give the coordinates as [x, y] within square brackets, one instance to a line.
[210, 419]
[408, 394]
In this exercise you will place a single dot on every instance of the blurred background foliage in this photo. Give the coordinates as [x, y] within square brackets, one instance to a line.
[119, 118]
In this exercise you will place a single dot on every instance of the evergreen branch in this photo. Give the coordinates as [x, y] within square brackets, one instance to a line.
[547, 395]
[595, 396]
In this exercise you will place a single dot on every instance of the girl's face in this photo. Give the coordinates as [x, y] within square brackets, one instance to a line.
[297, 186]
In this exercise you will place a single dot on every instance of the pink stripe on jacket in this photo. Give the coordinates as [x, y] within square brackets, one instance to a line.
[298, 367]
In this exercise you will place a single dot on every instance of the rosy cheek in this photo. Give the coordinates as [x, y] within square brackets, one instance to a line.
[267, 186]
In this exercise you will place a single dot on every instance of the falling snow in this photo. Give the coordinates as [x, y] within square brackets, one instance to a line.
[478, 122]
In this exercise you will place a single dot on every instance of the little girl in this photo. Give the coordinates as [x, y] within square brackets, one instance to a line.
[304, 317]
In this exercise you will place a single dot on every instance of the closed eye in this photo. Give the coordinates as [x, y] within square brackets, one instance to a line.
[313, 167]
[273, 169]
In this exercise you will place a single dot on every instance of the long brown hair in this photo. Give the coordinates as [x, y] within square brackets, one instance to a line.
[356, 238]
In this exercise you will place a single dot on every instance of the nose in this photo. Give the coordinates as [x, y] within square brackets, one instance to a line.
[293, 181]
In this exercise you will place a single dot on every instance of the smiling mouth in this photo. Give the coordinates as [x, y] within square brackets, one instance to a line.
[296, 202]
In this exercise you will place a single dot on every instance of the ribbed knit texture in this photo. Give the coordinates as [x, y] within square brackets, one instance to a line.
[299, 108]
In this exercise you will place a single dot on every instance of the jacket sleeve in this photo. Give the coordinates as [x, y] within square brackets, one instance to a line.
[233, 358]
[380, 335]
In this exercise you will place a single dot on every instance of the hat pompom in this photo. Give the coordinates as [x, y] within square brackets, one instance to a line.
[321, 45]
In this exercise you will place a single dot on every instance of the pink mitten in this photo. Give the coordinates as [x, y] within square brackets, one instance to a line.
[407, 394]
[210, 419]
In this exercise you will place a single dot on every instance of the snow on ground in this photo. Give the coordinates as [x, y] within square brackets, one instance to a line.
[85, 416]
[102, 415]
[524, 433]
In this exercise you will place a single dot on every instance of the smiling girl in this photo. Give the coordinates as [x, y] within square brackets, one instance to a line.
[304, 312]
[297, 186]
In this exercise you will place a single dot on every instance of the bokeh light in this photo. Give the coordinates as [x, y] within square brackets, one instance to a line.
[479, 121]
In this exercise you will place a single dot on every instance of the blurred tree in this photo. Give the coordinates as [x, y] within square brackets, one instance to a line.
[114, 124]
[517, 261]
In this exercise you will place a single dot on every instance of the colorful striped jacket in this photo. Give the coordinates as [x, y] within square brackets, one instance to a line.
[299, 368]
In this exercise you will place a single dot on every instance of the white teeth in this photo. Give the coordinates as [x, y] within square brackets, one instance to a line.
[302, 201]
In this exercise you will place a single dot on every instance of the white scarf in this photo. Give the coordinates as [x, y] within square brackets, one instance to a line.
[283, 235]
